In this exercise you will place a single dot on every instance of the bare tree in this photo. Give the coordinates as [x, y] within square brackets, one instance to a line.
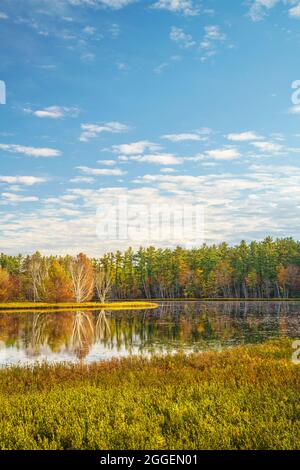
[82, 279]
[103, 283]
[37, 269]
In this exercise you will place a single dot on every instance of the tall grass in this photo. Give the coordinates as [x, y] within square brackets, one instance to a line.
[73, 305]
[243, 398]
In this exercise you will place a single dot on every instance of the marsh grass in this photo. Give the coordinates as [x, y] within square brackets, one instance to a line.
[62, 306]
[242, 398]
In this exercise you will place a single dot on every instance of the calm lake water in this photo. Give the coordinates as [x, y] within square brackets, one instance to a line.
[27, 337]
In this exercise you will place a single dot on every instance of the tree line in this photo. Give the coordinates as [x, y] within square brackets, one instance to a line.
[266, 269]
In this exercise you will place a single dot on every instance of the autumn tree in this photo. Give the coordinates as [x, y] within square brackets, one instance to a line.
[269, 268]
[82, 278]
[288, 279]
[4, 285]
[223, 277]
[58, 286]
[16, 291]
[251, 283]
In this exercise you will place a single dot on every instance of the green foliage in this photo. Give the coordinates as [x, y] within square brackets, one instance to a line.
[243, 398]
[266, 269]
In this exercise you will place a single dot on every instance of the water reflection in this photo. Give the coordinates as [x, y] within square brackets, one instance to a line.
[26, 337]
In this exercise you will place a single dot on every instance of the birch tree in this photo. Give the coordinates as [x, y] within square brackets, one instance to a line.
[103, 283]
[37, 271]
[82, 278]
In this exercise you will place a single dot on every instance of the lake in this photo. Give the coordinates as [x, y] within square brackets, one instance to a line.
[87, 336]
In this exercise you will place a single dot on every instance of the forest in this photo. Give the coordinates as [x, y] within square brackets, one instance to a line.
[265, 269]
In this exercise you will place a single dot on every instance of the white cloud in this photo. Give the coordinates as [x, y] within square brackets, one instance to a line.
[8, 198]
[115, 30]
[294, 149]
[294, 12]
[3, 16]
[210, 164]
[15, 188]
[270, 170]
[186, 7]
[67, 200]
[164, 65]
[181, 38]
[90, 131]
[213, 33]
[158, 159]
[54, 112]
[60, 6]
[196, 136]
[168, 170]
[179, 182]
[236, 206]
[243, 136]
[88, 57]
[31, 151]
[294, 109]
[107, 162]
[260, 8]
[212, 38]
[161, 67]
[114, 4]
[83, 179]
[135, 147]
[101, 171]
[223, 154]
[121, 66]
[268, 147]
[26, 180]
[46, 66]
[90, 30]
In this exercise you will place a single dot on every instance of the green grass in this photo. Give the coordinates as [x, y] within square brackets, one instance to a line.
[243, 398]
[123, 305]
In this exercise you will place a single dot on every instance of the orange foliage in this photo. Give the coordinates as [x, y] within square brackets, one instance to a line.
[4, 285]
[58, 284]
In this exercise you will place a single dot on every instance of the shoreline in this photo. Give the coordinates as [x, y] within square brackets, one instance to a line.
[12, 306]
[124, 304]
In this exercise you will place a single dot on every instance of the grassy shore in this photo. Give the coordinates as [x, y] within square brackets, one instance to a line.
[72, 305]
[124, 304]
[243, 398]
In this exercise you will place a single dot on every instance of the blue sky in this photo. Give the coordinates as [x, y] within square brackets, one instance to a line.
[158, 101]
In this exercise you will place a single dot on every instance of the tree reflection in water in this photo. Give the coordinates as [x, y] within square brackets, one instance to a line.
[37, 337]
[174, 326]
[82, 337]
[102, 327]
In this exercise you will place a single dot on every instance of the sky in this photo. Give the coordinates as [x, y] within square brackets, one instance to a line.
[158, 103]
